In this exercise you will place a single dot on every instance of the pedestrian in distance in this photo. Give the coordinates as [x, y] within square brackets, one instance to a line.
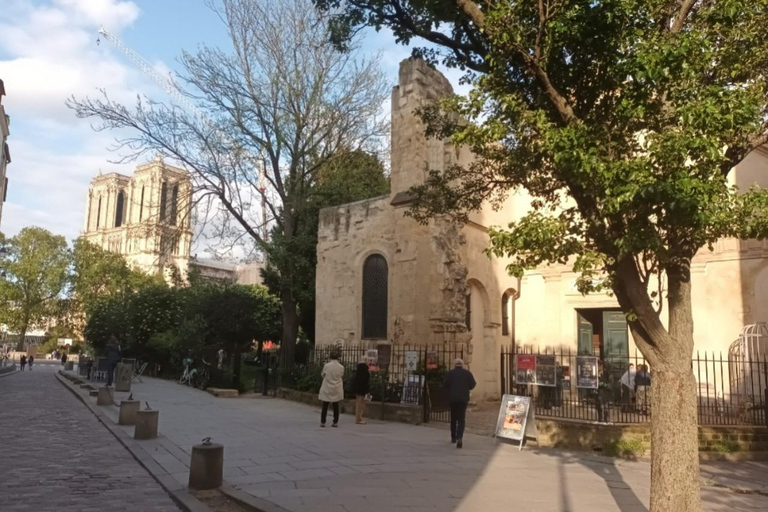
[332, 389]
[63, 358]
[31, 361]
[603, 395]
[113, 355]
[457, 385]
[642, 388]
[23, 362]
[628, 388]
[361, 387]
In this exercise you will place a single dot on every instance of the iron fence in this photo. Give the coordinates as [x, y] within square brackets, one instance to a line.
[563, 384]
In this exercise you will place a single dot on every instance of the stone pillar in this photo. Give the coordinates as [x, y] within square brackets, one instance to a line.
[146, 424]
[123, 376]
[105, 397]
[206, 466]
[128, 412]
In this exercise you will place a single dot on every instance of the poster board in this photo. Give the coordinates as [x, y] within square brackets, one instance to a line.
[372, 359]
[586, 372]
[411, 361]
[384, 353]
[516, 419]
[546, 370]
[526, 369]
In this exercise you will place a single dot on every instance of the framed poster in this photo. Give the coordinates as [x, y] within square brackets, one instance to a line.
[546, 367]
[384, 353]
[516, 420]
[431, 360]
[411, 360]
[372, 359]
[526, 369]
[586, 372]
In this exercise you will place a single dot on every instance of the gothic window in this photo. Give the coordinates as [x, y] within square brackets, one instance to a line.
[141, 205]
[163, 201]
[505, 315]
[119, 209]
[375, 294]
[98, 214]
[174, 204]
[468, 314]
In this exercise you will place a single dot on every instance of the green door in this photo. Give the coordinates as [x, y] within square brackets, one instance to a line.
[586, 330]
[615, 336]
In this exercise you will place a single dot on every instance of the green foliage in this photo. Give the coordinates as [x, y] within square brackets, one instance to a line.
[625, 448]
[49, 346]
[34, 266]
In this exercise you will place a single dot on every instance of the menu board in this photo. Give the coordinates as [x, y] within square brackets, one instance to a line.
[546, 367]
[431, 360]
[586, 372]
[526, 369]
[516, 420]
[411, 360]
[384, 353]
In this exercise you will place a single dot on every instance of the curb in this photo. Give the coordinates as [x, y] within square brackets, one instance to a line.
[177, 491]
[248, 501]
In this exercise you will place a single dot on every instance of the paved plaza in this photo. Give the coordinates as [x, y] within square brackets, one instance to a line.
[275, 450]
[56, 456]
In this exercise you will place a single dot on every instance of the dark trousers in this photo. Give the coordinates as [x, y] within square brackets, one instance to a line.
[324, 414]
[111, 373]
[458, 419]
[602, 397]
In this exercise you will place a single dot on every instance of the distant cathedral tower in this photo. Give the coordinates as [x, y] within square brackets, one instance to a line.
[146, 217]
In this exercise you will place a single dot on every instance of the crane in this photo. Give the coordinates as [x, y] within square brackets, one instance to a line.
[173, 91]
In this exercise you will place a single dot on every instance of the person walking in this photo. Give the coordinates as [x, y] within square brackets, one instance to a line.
[642, 387]
[332, 389]
[603, 393]
[112, 355]
[31, 361]
[63, 358]
[457, 385]
[23, 362]
[361, 386]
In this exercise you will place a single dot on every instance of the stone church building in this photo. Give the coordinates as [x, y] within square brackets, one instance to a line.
[383, 277]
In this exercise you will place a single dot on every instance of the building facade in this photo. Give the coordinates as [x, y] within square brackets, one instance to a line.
[5, 154]
[384, 278]
[145, 217]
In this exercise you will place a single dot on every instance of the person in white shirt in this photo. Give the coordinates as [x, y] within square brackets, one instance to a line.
[628, 388]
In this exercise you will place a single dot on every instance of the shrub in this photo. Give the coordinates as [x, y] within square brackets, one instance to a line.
[625, 448]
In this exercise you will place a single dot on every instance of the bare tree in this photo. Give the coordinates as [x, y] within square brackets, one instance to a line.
[283, 93]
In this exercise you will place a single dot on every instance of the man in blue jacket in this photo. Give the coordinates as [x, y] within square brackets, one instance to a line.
[457, 385]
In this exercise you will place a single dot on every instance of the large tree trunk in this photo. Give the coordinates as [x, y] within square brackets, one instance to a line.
[675, 477]
[290, 328]
[674, 425]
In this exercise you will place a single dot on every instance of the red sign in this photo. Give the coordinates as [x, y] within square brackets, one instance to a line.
[526, 362]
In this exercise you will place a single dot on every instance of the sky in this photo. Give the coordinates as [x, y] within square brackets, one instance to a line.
[48, 52]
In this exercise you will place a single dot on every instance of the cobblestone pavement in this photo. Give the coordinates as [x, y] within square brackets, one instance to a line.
[56, 456]
[275, 450]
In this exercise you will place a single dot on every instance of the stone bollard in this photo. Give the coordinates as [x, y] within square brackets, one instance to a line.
[207, 465]
[105, 397]
[93, 392]
[146, 424]
[123, 376]
[128, 410]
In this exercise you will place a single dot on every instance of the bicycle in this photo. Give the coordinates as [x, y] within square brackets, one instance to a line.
[202, 377]
[189, 374]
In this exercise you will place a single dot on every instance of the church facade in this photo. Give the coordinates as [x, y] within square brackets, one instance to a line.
[384, 278]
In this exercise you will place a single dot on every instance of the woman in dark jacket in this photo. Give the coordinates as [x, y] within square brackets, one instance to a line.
[361, 386]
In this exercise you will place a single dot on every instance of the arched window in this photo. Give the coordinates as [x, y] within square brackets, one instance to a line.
[163, 202]
[468, 307]
[141, 205]
[98, 215]
[119, 209]
[174, 204]
[375, 294]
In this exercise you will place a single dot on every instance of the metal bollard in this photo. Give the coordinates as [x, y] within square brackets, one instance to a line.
[105, 397]
[128, 410]
[146, 424]
[206, 466]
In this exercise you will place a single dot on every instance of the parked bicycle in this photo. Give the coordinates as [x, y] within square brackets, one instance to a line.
[194, 377]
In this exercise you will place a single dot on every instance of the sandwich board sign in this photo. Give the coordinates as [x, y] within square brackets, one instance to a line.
[516, 419]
